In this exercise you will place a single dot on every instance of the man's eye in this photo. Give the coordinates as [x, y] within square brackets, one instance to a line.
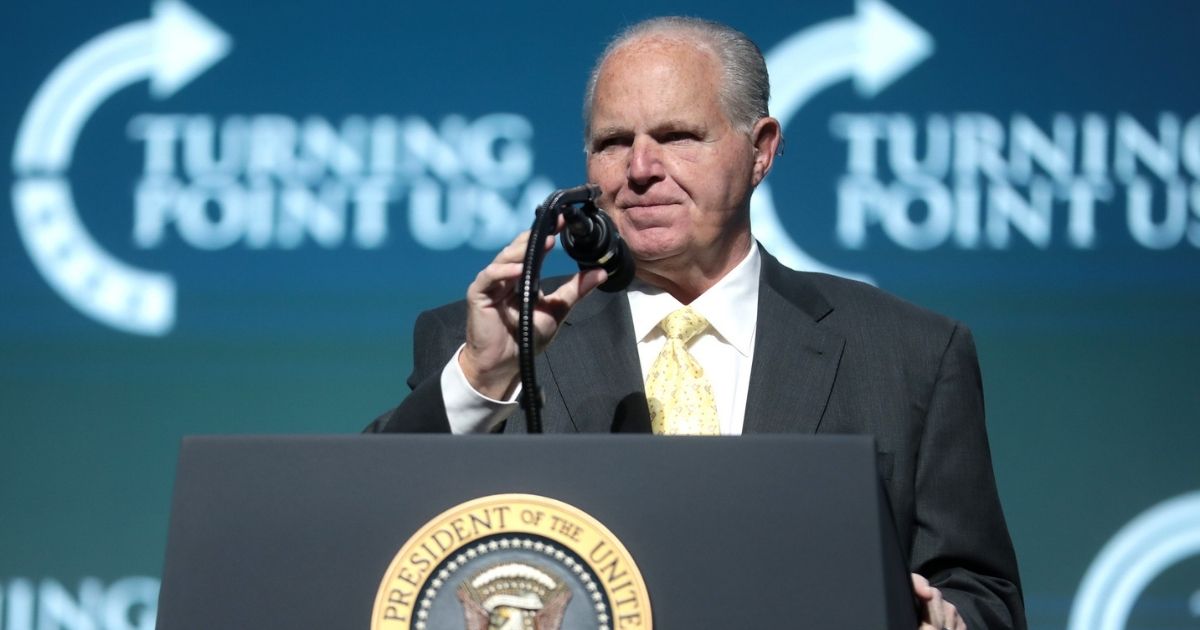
[678, 136]
[610, 143]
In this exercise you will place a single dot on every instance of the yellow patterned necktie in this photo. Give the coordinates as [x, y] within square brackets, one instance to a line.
[680, 395]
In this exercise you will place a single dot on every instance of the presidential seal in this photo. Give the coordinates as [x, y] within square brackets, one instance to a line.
[512, 562]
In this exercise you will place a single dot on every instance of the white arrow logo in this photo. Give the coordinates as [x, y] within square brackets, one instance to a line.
[170, 49]
[1150, 544]
[874, 47]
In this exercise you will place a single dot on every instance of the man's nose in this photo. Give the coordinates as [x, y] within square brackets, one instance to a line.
[645, 162]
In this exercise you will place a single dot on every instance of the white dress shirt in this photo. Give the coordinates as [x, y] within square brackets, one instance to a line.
[725, 349]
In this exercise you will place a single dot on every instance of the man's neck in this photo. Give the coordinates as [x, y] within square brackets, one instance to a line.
[686, 281]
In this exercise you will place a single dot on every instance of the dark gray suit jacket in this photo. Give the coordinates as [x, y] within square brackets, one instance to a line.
[830, 356]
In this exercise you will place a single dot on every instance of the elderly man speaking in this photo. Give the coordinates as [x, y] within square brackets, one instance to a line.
[717, 337]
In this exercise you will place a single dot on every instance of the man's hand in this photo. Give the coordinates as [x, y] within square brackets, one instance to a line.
[489, 359]
[936, 613]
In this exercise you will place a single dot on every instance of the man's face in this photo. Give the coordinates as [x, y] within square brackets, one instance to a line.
[675, 175]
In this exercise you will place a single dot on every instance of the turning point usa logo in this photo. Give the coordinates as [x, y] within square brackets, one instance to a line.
[970, 181]
[260, 181]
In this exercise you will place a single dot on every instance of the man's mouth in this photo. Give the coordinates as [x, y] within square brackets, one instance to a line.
[649, 214]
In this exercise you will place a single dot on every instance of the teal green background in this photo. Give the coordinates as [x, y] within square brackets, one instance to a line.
[1088, 356]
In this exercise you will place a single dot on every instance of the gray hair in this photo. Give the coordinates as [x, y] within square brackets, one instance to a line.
[745, 88]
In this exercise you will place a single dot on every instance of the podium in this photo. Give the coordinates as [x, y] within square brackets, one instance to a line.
[766, 531]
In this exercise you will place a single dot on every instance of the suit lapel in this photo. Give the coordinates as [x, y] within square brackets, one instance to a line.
[795, 361]
[594, 366]
[593, 363]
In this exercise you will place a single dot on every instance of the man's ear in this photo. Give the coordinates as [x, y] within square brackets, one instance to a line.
[766, 136]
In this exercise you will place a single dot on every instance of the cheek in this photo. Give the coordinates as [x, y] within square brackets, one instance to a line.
[604, 173]
[604, 166]
[688, 153]
[691, 168]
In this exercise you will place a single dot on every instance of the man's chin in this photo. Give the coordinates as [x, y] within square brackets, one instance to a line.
[650, 255]
[653, 243]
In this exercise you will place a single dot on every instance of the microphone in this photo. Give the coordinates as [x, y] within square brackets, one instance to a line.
[593, 241]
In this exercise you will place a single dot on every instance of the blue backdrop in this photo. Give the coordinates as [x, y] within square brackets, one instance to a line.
[223, 218]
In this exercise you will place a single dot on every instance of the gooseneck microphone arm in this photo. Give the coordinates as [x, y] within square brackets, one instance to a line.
[593, 241]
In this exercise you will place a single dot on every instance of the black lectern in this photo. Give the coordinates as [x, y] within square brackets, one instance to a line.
[775, 531]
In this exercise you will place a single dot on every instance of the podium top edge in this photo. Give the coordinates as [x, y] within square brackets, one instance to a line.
[205, 440]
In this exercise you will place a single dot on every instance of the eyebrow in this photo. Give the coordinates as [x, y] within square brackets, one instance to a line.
[666, 125]
[609, 131]
[677, 124]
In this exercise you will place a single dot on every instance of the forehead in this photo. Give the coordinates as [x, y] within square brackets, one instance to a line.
[657, 76]
[662, 50]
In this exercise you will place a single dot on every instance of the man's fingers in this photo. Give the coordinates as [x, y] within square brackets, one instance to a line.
[950, 617]
[497, 272]
[589, 280]
[921, 587]
[506, 266]
[559, 303]
[515, 250]
[936, 612]
[933, 612]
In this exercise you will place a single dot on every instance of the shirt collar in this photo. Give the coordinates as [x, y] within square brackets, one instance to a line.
[730, 305]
